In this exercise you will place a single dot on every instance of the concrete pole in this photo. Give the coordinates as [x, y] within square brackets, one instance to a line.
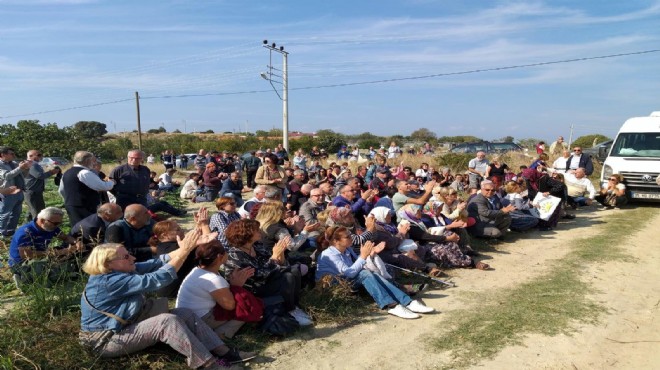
[285, 103]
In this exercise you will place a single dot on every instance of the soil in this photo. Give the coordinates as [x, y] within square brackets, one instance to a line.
[626, 337]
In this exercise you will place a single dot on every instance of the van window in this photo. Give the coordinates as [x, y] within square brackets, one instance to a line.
[637, 144]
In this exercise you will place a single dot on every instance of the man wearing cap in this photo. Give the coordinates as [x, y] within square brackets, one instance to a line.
[132, 181]
[401, 197]
[251, 164]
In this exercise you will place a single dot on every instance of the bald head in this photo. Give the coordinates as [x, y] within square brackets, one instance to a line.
[109, 212]
[137, 215]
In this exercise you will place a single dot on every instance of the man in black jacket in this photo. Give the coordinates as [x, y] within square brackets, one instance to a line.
[579, 160]
[251, 164]
[91, 229]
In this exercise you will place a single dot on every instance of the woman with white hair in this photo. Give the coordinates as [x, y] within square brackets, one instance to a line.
[115, 320]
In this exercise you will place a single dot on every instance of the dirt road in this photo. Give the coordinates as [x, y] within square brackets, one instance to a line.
[627, 336]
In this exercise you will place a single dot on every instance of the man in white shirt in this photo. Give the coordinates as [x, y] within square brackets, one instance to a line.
[560, 163]
[580, 187]
[259, 197]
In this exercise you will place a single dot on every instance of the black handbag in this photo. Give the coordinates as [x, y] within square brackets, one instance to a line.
[277, 321]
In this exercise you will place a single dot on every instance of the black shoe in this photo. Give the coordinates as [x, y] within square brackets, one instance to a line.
[235, 356]
[545, 228]
[568, 217]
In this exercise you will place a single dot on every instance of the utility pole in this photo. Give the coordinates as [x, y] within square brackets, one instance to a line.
[570, 137]
[285, 87]
[139, 129]
[185, 129]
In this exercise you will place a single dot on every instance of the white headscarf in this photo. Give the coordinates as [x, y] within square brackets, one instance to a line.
[380, 213]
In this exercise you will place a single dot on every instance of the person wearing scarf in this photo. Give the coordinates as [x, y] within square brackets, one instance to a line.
[433, 218]
[446, 251]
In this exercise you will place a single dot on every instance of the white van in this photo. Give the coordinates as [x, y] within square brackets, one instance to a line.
[635, 154]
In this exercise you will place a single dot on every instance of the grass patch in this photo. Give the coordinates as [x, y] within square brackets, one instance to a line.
[549, 304]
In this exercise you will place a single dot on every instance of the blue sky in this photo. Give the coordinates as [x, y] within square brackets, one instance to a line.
[58, 54]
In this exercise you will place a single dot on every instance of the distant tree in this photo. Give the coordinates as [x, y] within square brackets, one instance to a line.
[275, 132]
[209, 132]
[366, 143]
[398, 139]
[330, 140]
[29, 134]
[506, 139]
[588, 141]
[261, 133]
[423, 134]
[177, 131]
[90, 129]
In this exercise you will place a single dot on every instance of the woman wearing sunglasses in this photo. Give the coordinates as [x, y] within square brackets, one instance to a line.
[613, 194]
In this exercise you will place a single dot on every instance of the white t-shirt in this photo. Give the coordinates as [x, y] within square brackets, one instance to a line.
[188, 189]
[196, 288]
[393, 151]
[165, 179]
[560, 164]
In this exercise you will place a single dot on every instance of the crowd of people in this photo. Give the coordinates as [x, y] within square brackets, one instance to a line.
[309, 220]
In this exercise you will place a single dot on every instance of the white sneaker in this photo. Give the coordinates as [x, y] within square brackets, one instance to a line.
[419, 307]
[301, 316]
[402, 312]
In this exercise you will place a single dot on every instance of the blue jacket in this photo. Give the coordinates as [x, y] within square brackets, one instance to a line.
[334, 263]
[356, 206]
[121, 293]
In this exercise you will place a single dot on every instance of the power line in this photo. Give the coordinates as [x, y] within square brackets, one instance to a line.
[357, 83]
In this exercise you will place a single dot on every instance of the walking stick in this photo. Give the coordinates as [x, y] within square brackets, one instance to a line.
[447, 283]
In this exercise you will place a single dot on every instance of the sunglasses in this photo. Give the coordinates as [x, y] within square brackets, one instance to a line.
[577, 150]
[487, 190]
[614, 179]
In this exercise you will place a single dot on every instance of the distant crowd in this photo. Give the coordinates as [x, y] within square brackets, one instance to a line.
[360, 220]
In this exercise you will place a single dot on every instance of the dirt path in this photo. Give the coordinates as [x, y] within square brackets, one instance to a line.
[630, 291]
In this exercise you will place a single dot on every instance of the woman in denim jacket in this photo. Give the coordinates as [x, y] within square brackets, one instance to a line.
[114, 296]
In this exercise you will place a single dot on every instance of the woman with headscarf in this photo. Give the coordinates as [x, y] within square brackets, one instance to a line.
[445, 249]
[433, 218]
[393, 237]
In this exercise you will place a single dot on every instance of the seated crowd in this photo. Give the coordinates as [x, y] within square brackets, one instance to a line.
[252, 259]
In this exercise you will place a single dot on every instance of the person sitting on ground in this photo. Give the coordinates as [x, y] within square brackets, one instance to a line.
[165, 181]
[613, 195]
[112, 301]
[204, 289]
[358, 203]
[423, 170]
[133, 231]
[386, 200]
[156, 203]
[458, 183]
[580, 187]
[521, 218]
[259, 197]
[226, 214]
[233, 188]
[393, 237]
[402, 198]
[275, 226]
[91, 229]
[338, 260]
[272, 276]
[492, 220]
[438, 224]
[190, 189]
[579, 160]
[153, 180]
[559, 164]
[340, 216]
[164, 241]
[30, 247]
[445, 249]
[445, 178]
[540, 161]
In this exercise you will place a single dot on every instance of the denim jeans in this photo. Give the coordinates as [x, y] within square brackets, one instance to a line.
[10, 211]
[381, 290]
[581, 201]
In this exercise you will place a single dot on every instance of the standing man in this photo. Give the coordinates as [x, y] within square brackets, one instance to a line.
[201, 160]
[132, 181]
[558, 146]
[251, 164]
[35, 184]
[82, 186]
[11, 174]
[477, 171]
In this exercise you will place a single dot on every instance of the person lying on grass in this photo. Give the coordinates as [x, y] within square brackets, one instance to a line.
[339, 260]
[112, 324]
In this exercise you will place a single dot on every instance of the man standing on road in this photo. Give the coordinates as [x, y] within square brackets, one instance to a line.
[11, 174]
[132, 181]
[35, 184]
[477, 171]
